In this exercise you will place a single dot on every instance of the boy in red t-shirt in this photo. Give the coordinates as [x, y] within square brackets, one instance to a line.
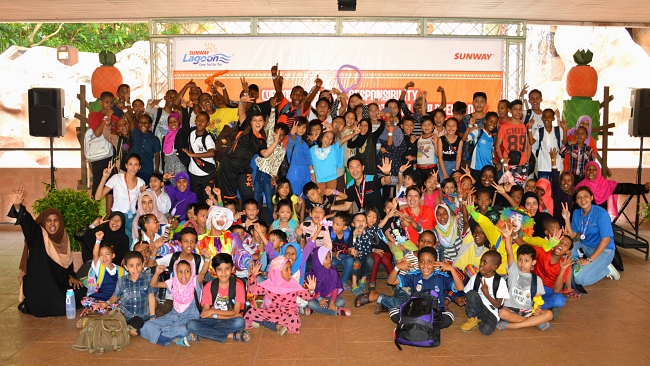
[512, 138]
[554, 266]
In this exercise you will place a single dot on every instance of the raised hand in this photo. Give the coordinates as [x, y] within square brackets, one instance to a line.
[274, 102]
[566, 214]
[311, 282]
[484, 287]
[274, 69]
[470, 201]
[410, 84]
[440, 89]
[386, 165]
[99, 235]
[255, 269]
[318, 82]
[98, 221]
[499, 188]
[403, 168]
[160, 269]
[107, 172]
[506, 230]
[523, 91]
[244, 84]
[566, 263]
[168, 176]
[143, 188]
[191, 83]
[444, 266]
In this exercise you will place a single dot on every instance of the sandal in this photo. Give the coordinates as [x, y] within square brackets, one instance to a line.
[361, 300]
[241, 336]
[192, 337]
[544, 326]
[344, 311]
[372, 286]
[362, 285]
[574, 294]
[308, 311]
[501, 325]
[357, 291]
[183, 342]
[282, 330]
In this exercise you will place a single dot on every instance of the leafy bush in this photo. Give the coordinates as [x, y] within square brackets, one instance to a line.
[77, 208]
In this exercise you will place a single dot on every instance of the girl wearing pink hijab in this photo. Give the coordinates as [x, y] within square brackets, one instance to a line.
[281, 313]
[606, 191]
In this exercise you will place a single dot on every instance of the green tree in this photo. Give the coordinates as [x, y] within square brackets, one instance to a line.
[87, 37]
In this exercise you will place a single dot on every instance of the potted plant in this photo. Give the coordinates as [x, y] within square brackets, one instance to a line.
[78, 210]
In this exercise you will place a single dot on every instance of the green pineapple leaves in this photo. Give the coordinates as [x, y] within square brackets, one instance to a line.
[107, 58]
[582, 57]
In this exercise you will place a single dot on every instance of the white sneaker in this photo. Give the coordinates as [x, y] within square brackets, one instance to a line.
[613, 273]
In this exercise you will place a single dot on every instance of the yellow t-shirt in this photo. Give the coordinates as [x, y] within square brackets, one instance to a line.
[221, 118]
[294, 201]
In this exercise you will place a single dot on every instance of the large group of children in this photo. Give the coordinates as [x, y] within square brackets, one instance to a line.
[450, 205]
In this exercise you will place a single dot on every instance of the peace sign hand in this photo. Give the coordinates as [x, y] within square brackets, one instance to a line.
[107, 172]
[566, 214]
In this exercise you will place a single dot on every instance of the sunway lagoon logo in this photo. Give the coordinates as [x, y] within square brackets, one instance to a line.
[207, 57]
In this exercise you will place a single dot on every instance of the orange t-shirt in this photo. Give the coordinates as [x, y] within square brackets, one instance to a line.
[513, 138]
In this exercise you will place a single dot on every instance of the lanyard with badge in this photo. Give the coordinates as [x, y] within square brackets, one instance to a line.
[129, 214]
[361, 196]
[584, 225]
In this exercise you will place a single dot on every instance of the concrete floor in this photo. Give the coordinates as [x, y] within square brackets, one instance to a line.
[608, 326]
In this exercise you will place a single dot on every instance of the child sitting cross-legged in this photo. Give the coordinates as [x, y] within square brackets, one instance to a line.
[139, 302]
[221, 317]
[328, 285]
[281, 312]
[484, 294]
[185, 289]
[521, 309]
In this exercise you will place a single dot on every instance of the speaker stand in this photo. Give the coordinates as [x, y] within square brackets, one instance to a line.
[621, 211]
[52, 169]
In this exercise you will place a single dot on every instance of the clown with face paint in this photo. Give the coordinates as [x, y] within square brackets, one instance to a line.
[221, 240]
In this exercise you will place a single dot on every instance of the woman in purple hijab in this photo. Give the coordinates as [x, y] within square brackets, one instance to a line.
[328, 285]
[180, 194]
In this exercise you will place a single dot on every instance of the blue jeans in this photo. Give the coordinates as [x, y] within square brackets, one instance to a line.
[594, 271]
[395, 301]
[450, 167]
[315, 306]
[363, 268]
[347, 261]
[552, 299]
[215, 329]
[262, 186]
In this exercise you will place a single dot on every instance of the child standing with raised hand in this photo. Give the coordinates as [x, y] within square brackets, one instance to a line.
[520, 309]
[327, 157]
[281, 313]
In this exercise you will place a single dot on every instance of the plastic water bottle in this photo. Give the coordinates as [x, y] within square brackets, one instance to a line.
[70, 309]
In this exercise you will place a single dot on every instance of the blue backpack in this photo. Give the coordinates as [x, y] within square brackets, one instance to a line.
[420, 321]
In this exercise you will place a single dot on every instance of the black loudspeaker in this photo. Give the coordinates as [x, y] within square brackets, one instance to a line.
[639, 125]
[347, 5]
[46, 112]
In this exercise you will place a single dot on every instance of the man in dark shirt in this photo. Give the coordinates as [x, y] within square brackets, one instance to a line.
[365, 190]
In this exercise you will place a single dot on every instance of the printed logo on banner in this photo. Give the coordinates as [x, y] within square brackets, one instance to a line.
[206, 57]
[473, 56]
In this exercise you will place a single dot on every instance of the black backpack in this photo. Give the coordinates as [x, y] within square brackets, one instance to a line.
[420, 321]
[540, 137]
[232, 291]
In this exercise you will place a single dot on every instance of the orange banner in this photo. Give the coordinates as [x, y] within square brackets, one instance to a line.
[375, 85]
